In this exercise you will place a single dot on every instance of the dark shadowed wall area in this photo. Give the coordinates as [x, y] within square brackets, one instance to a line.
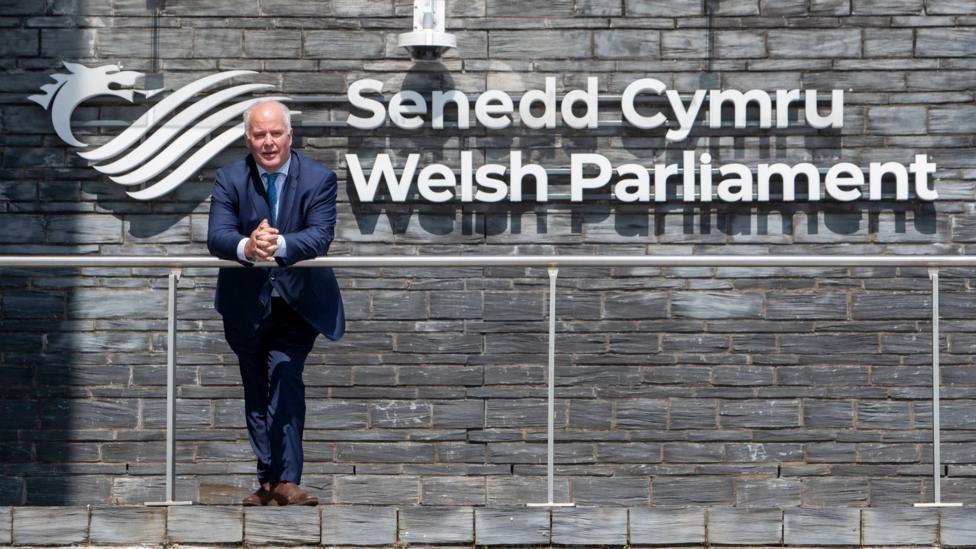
[727, 386]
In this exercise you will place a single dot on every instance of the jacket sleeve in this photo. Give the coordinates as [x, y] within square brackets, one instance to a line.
[314, 240]
[223, 230]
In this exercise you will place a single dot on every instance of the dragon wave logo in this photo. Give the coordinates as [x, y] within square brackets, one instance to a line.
[153, 143]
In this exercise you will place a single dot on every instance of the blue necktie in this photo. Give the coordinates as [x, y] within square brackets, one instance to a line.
[271, 178]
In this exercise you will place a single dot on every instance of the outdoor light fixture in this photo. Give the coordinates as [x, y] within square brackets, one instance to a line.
[428, 41]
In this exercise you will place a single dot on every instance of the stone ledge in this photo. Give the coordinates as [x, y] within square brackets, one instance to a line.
[363, 525]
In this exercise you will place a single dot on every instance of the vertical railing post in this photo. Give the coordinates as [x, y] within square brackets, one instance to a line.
[551, 400]
[936, 385]
[174, 278]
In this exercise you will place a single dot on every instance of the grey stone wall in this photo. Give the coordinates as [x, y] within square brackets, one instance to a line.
[755, 388]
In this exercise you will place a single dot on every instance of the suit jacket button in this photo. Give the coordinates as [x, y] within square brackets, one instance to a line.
[272, 277]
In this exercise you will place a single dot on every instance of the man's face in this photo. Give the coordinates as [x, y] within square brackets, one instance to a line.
[267, 137]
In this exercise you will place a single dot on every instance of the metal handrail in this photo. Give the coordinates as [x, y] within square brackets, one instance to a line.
[552, 263]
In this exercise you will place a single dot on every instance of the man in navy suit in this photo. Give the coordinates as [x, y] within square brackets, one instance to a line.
[275, 205]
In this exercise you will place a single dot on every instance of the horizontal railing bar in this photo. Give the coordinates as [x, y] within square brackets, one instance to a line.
[179, 262]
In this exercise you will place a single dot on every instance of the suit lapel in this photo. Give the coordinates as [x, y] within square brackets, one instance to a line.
[287, 216]
[256, 192]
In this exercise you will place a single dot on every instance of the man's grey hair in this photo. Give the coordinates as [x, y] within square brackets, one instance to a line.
[284, 111]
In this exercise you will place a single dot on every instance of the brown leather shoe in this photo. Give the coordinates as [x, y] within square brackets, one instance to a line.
[258, 499]
[289, 493]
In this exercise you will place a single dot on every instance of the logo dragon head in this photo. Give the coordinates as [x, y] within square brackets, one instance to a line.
[80, 84]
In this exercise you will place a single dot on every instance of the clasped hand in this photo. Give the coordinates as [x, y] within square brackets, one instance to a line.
[262, 243]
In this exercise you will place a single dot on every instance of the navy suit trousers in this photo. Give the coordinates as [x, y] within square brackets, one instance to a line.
[271, 364]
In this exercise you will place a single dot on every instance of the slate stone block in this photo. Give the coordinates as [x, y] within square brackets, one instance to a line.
[694, 343]
[725, 526]
[683, 44]
[468, 305]
[73, 43]
[830, 7]
[282, 526]
[511, 306]
[636, 305]
[590, 414]
[763, 452]
[324, 414]
[518, 413]
[739, 44]
[458, 414]
[828, 414]
[823, 305]
[782, 7]
[203, 524]
[400, 414]
[6, 525]
[715, 305]
[358, 525]
[438, 343]
[617, 44]
[128, 525]
[287, 43]
[897, 120]
[438, 490]
[888, 492]
[542, 44]
[944, 42]
[952, 118]
[528, 8]
[743, 375]
[511, 526]
[835, 492]
[814, 43]
[519, 490]
[101, 303]
[760, 414]
[882, 414]
[663, 8]
[895, 526]
[887, 7]
[589, 526]
[610, 491]
[683, 452]
[667, 526]
[54, 490]
[380, 452]
[693, 414]
[28, 304]
[958, 526]
[20, 228]
[888, 305]
[889, 42]
[343, 44]
[691, 491]
[423, 525]
[377, 490]
[819, 527]
[950, 7]
[642, 413]
[50, 525]
[772, 493]
[399, 305]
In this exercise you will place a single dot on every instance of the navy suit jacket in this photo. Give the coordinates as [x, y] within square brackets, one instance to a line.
[306, 218]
